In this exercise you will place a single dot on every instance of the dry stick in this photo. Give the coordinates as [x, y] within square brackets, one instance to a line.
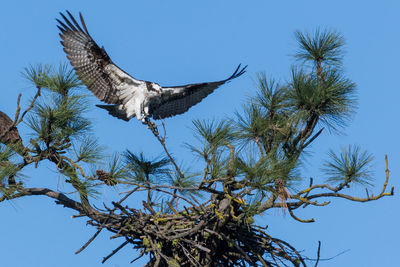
[18, 108]
[262, 260]
[195, 200]
[191, 231]
[61, 198]
[172, 194]
[31, 105]
[357, 199]
[278, 241]
[311, 184]
[169, 203]
[115, 251]
[336, 189]
[312, 187]
[387, 177]
[313, 138]
[157, 253]
[155, 132]
[138, 257]
[189, 256]
[318, 253]
[309, 202]
[91, 239]
[17, 119]
[210, 190]
[149, 208]
[104, 223]
[207, 250]
[127, 195]
[297, 218]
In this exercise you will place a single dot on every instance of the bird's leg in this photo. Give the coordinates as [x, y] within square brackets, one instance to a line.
[145, 115]
[145, 120]
[140, 115]
[146, 110]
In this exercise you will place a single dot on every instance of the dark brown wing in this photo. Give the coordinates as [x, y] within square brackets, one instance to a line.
[12, 135]
[92, 64]
[178, 99]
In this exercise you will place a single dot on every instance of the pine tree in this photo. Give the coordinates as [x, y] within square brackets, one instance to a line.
[250, 161]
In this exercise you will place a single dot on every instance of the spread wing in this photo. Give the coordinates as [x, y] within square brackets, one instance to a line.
[178, 99]
[92, 64]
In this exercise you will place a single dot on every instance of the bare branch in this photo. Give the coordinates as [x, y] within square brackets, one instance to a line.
[18, 119]
[154, 130]
[115, 251]
[60, 197]
[298, 219]
[318, 253]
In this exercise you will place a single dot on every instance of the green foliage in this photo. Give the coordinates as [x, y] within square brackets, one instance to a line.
[54, 122]
[188, 181]
[38, 75]
[6, 153]
[144, 170]
[8, 165]
[332, 100]
[266, 116]
[63, 80]
[8, 169]
[86, 188]
[216, 138]
[262, 172]
[116, 168]
[213, 135]
[89, 150]
[352, 165]
[322, 45]
[339, 99]
[60, 116]
[271, 95]
[60, 81]
[251, 124]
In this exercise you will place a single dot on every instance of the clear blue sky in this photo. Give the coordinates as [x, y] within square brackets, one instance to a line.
[176, 42]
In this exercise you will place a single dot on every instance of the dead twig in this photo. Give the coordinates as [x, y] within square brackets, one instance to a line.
[151, 125]
[115, 251]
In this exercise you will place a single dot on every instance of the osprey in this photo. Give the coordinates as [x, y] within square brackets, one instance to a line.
[127, 96]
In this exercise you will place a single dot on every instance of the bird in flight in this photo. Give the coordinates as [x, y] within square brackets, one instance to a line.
[125, 95]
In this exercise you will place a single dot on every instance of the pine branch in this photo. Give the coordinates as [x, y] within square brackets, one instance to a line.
[306, 199]
[61, 199]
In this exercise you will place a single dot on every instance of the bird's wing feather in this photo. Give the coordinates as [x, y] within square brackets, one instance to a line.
[178, 99]
[92, 64]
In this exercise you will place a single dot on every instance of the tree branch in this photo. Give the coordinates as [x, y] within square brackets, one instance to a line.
[18, 119]
[307, 198]
[60, 198]
[154, 130]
